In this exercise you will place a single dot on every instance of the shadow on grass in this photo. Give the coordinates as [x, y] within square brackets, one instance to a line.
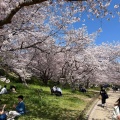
[50, 113]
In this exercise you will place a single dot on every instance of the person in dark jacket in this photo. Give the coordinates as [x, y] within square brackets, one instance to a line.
[103, 94]
[19, 108]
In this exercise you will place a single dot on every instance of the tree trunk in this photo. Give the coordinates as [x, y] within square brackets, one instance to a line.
[87, 83]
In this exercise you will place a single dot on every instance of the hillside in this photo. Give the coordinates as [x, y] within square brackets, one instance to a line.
[41, 105]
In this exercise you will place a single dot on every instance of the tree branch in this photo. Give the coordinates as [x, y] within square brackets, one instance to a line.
[9, 17]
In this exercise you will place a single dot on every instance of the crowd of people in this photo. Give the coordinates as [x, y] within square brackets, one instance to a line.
[19, 108]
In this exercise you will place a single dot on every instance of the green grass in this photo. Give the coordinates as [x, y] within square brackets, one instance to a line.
[41, 105]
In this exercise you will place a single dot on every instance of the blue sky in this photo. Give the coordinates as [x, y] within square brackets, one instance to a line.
[110, 29]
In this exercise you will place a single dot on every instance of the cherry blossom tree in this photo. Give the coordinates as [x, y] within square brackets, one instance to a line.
[10, 8]
[38, 35]
[105, 62]
[33, 30]
[76, 59]
[43, 65]
[95, 64]
[111, 62]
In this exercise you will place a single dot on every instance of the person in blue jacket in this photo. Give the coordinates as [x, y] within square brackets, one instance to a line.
[19, 108]
[3, 116]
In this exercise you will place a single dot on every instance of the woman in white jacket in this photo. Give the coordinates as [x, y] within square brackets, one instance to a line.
[3, 90]
[116, 111]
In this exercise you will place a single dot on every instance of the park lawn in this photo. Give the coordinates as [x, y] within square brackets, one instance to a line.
[41, 105]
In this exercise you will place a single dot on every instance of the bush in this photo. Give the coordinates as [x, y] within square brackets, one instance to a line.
[2, 72]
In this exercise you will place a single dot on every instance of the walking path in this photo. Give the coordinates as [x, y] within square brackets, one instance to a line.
[99, 113]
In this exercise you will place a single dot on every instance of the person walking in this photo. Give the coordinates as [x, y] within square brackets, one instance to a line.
[104, 96]
[116, 111]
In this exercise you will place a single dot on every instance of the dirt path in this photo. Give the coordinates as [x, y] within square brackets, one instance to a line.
[99, 113]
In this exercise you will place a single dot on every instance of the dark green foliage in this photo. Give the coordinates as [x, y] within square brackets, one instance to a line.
[53, 83]
[2, 72]
[34, 80]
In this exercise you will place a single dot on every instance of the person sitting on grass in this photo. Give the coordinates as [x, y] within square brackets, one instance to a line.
[3, 116]
[19, 108]
[13, 89]
[53, 89]
[82, 89]
[56, 90]
[3, 90]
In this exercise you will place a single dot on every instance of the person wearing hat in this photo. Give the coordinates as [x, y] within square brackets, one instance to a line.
[116, 111]
[19, 108]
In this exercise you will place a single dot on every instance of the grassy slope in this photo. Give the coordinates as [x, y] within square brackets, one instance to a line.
[44, 106]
